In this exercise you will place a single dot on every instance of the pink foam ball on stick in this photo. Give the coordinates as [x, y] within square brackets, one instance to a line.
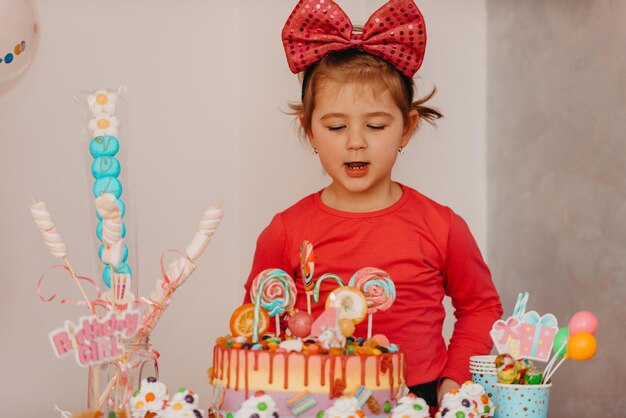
[300, 324]
[583, 321]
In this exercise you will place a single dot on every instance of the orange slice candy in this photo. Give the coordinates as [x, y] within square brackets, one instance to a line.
[242, 321]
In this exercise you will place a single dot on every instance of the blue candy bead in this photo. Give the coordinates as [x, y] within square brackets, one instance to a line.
[122, 206]
[393, 348]
[124, 252]
[107, 185]
[104, 146]
[105, 166]
[8, 58]
[99, 230]
[120, 268]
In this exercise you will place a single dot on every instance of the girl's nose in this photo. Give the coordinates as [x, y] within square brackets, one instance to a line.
[356, 139]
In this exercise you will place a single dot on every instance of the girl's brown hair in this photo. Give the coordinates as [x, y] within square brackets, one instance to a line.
[350, 65]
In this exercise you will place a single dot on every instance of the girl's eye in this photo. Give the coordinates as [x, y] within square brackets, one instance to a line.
[376, 127]
[336, 128]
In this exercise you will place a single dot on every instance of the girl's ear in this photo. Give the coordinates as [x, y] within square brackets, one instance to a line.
[410, 127]
[307, 133]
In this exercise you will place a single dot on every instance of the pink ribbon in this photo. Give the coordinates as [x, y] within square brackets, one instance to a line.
[509, 328]
[64, 301]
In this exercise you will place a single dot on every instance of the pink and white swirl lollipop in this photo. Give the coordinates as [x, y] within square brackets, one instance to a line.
[276, 292]
[378, 289]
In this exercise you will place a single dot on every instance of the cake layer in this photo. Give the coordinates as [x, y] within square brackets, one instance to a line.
[238, 374]
[317, 402]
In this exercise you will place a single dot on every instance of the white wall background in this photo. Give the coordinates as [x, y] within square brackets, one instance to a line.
[207, 82]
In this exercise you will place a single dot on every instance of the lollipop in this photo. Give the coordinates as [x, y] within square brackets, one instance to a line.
[318, 284]
[378, 289]
[351, 303]
[307, 266]
[275, 291]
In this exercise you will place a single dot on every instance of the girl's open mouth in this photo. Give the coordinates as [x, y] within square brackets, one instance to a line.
[356, 168]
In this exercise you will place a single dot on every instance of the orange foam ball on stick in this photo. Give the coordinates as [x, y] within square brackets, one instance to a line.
[581, 346]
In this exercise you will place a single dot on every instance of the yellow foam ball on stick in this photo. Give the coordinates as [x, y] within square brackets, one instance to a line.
[581, 346]
[346, 326]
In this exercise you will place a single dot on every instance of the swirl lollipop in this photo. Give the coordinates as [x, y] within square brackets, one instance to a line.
[307, 267]
[378, 289]
[275, 291]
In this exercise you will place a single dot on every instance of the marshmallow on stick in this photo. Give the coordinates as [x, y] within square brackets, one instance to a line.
[53, 241]
[51, 236]
[207, 227]
[180, 269]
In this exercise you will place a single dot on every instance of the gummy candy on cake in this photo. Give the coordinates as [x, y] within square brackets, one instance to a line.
[259, 406]
[150, 397]
[344, 408]
[410, 406]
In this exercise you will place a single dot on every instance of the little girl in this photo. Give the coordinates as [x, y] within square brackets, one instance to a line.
[358, 114]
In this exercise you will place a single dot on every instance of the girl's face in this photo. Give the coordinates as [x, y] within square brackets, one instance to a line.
[358, 131]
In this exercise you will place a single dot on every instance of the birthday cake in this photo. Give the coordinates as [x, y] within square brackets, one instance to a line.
[315, 361]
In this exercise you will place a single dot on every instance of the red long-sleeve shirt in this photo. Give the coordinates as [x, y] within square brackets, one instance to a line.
[428, 251]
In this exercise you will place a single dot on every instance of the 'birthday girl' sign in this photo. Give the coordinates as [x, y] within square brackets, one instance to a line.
[95, 340]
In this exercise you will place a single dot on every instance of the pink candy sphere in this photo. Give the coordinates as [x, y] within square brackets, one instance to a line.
[583, 321]
[300, 324]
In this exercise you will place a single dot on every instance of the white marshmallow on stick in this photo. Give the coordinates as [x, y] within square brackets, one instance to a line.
[53, 241]
[207, 227]
[179, 270]
[51, 236]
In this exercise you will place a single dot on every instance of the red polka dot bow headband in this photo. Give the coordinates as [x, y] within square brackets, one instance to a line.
[396, 33]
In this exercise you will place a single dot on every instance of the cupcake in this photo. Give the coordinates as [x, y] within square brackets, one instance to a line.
[410, 406]
[184, 403]
[344, 408]
[260, 406]
[149, 399]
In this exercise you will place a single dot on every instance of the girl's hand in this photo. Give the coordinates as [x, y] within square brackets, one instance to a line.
[446, 386]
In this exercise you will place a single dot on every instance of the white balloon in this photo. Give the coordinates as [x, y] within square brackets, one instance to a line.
[19, 40]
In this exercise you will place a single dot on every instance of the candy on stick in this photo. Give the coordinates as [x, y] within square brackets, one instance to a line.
[378, 289]
[53, 241]
[307, 267]
[318, 284]
[207, 227]
[350, 303]
[51, 236]
[275, 291]
[178, 271]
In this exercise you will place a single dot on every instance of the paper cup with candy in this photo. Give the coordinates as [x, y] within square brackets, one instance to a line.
[487, 381]
[519, 401]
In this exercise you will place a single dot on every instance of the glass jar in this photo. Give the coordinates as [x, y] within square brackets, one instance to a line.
[112, 384]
